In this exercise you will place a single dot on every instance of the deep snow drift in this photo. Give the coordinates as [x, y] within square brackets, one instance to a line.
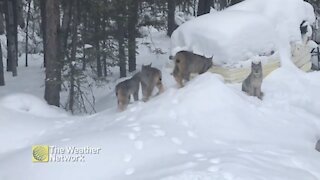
[250, 28]
[207, 130]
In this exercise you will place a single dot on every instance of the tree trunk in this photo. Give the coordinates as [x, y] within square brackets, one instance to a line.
[65, 28]
[204, 7]
[132, 29]
[98, 56]
[233, 2]
[16, 18]
[84, 38]
[53, 71]
[19, 14]
[97, 45]
[223, 4]
[2, 83]
[73, 57]
[1, 22]
[121, 44]
[12, 57]
[171, 19]
[27, 31]
[43, 27]
[104, 60]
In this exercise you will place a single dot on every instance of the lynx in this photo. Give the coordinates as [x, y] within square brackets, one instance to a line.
[252, 84]
[125, 89]
[187, 63]
[150, 77]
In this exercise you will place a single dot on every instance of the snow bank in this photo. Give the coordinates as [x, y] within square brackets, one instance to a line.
[31, 104]
[205, 130]
[253, 27]
[285, 15]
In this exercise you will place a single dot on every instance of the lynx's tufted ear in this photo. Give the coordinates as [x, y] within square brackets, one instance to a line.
[146, 66]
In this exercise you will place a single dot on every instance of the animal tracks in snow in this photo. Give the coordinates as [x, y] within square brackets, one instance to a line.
[137, 128]
[159, 133]
[127, 158]
[182, 151]
[176, 141]
[192, 134]
[138, 145]
[215, 161]
[132, 136]
[213, 169]
[129, 171]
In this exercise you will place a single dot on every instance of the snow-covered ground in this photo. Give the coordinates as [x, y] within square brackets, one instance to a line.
[207, 130]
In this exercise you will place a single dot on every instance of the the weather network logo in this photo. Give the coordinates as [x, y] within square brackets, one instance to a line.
[68, 154]
[40, 153]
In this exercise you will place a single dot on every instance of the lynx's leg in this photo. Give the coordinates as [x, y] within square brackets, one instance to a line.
[129, 98]
[144, 92]
[159, 85]
[251, 91]
[149, 91]
[179, 79]
[187, 76]
[259, 93]
[121, 106]
[136, 96]
[121, 100]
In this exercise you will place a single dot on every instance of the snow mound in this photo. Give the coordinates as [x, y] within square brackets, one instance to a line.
[30, 104]
[206, 130]
[253, 27]
[286, 15]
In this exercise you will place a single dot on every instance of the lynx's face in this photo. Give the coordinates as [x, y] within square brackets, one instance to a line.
[256, 68]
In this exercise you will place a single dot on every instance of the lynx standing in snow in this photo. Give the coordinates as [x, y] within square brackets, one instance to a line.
[150, 77]
[187, 63]
[252, 84]
[127, 88]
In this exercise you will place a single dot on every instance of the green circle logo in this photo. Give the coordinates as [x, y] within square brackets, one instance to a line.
[40, 153]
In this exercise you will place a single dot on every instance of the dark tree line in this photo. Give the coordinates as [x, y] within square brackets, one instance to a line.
[82, 36]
